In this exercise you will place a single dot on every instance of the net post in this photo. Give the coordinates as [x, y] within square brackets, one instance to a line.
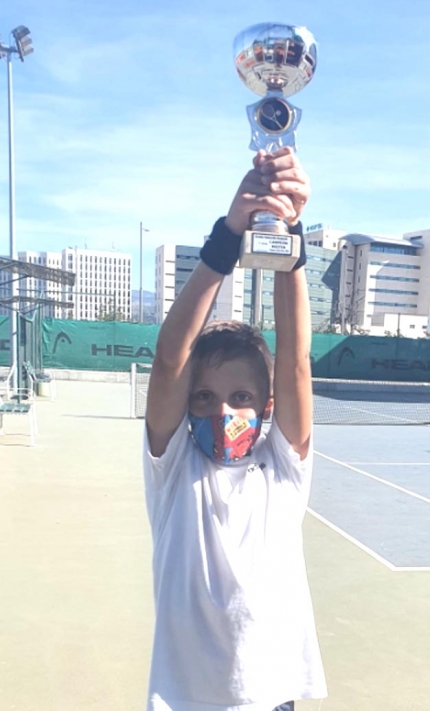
[133, 391]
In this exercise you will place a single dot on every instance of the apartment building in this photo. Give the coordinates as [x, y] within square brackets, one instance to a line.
[102, 287]
[385, 284]
[246, 294]
[173, 267]
[103, 284]
[322, 274]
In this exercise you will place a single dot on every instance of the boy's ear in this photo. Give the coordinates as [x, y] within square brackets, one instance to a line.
[268, 409]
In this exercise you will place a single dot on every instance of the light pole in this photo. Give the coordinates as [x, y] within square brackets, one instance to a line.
[142, 230]
[22, 47]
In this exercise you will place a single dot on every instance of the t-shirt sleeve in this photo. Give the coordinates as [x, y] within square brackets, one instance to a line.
[287, 463]
[160, 473]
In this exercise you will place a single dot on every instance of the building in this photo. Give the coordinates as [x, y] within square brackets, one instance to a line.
[173, 266]
[247, 295]
[322, 275]
[31, 286]
[102, 288]
[325, 236]
[385, 284]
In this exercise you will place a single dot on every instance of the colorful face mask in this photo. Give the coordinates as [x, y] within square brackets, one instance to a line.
[225, 438]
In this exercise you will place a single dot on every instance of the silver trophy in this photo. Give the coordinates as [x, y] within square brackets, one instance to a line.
[274, 61]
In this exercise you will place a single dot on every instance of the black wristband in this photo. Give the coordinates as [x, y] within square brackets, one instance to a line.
[221, 251]
[298, 230]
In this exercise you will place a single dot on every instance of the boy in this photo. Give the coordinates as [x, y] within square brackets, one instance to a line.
[234, 624]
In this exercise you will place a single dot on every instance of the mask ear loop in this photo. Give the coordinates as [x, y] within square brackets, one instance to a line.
[268, 410]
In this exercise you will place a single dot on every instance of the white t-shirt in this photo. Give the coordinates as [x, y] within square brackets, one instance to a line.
[234, 621]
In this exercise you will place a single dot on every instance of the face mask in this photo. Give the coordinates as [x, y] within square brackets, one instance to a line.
[225, 438]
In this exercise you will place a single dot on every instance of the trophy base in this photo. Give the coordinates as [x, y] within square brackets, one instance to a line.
[263, 249]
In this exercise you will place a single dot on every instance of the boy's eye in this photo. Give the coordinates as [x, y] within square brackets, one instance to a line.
[242, 397]
[202, 396]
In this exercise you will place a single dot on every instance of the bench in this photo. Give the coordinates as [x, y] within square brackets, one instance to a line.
[40, 379]
[19, 408]
[6, 376]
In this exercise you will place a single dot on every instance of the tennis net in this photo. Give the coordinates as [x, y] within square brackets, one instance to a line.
[370, 402]
[336, 402]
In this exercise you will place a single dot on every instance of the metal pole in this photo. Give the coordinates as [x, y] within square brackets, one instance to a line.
[141, 277]
[257, 296]
[12, 247]
[142, 230]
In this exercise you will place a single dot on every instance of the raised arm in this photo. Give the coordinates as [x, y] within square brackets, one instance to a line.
[292, 382]
[170, 377]
[171, 371]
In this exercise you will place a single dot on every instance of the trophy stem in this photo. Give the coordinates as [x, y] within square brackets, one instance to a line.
[264, 221]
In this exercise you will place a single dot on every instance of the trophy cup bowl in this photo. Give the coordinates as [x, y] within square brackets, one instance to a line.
[274, 61]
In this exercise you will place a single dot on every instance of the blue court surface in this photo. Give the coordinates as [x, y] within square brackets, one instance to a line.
[372, 485]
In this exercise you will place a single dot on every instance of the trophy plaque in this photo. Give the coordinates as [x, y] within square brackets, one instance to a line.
[274, 61]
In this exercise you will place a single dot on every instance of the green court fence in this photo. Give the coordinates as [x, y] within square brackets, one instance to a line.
[114, 345]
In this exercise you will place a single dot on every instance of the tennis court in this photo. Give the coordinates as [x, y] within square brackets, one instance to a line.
[76, 609]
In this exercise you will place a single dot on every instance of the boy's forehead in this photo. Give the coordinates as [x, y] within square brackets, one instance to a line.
[238, 371]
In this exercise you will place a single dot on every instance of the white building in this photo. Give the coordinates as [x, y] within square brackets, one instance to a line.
[173, 266]
[102, 286]
[230, 300]
[383, 287]
[33, 287]
[385, 284]
[246, 294]
[325, 236]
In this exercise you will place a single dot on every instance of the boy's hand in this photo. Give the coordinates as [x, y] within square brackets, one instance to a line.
[276, 184]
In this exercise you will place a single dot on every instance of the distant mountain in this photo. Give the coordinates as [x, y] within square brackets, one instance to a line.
[148, 298]
[148, 304]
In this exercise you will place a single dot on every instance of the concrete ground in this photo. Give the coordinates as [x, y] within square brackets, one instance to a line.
[76, 611]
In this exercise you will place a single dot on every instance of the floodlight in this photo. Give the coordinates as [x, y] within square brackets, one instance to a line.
[20, 32]
[23, 41]
[23, 47]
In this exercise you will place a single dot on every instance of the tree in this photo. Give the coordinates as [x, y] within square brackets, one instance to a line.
[348, 315]
[110, 315]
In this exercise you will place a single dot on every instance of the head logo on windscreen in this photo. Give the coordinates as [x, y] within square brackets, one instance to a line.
[345, 353]
[61, 338]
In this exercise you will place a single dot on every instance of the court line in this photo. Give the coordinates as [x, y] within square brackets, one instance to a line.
[394, 464]
[380, 414]
[351, 539]
[376, 478]
[366, 549]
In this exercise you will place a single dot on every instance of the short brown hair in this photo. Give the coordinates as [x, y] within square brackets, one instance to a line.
[222, 341]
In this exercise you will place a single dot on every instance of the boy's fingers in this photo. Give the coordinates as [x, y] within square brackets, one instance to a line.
[271, 165]
[281, 152]
[290, 187]
[280, 206]
[294, 174]
[259, 158]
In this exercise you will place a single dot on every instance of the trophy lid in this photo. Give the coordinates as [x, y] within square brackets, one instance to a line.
[275, 57]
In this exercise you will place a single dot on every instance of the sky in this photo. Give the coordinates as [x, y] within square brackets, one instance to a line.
[132, 112]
